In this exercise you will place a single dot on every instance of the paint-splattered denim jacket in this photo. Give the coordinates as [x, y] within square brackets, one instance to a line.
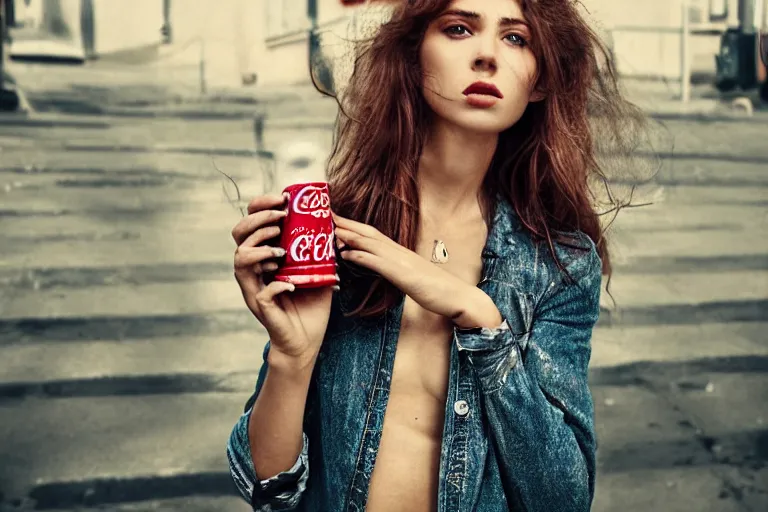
[519, 427]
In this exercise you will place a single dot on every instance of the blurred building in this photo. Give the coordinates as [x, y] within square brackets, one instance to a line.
[239, 40]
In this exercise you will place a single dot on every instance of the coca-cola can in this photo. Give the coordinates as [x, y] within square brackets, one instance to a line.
[307, 237]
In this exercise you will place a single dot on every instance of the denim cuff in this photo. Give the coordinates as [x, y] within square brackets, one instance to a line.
[283, 491]
[493, 353]
[484, 339]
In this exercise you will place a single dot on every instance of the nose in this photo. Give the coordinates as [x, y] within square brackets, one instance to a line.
[485, 60]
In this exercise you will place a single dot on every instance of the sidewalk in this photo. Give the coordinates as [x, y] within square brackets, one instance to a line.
[98, 88]
[663, 99]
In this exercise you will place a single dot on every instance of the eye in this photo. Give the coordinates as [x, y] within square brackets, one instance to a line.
[457, 31]
[516, 39]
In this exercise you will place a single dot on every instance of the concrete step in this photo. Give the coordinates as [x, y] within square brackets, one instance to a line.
[124, 300]
[677, 343]
[190, 504]
[90, 130]
[674, 216]
[747, 196]
[140, 446]
[627, 246]
[105, 253]
[31, 363]
[686, 169]
[30, 196]
[33, 157]
[22, 225]
[144, 447]
[315, 105]
[702, 451]
[214, 195]
[316, 132]
[638, 290]
[681, 489]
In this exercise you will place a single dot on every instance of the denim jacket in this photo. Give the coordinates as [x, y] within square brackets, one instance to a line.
[519, 424]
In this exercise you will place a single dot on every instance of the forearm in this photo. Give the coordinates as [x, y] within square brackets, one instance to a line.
[545, 443]
[275, 427]
[559, 466]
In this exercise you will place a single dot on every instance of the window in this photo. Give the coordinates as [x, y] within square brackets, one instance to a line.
[286, 17]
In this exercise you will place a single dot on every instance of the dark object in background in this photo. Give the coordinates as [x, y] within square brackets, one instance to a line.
[764, 48]
[319, 67]
[166, 31]
[9, 100]
[736, 62]
[88, 28]
[9, 12]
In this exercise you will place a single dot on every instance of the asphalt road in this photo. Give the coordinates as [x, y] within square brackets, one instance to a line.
[126, 353]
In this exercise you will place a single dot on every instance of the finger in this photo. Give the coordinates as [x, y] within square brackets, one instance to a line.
[254, 221]
[261, 235]
[269, 266]
[366, 259]
[357, 227]
[355, 240]
[266, 297]
[250, 285]
[270, 201]
[246, 257]
[365, 230]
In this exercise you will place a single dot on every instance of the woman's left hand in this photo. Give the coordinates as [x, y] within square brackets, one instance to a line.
[430, 286]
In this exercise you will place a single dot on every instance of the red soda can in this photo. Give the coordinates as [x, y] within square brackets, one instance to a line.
[307, 237]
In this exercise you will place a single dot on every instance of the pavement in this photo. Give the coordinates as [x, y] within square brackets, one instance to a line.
[126, 353]
[116, 88]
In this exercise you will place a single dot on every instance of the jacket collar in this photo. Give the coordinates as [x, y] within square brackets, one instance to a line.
[505, 223]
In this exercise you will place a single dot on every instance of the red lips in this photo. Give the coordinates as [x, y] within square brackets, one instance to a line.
[483, 88]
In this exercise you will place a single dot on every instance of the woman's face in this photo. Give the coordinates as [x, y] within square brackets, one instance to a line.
[478, 69]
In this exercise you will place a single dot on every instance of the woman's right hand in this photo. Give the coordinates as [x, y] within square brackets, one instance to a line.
[296, 320]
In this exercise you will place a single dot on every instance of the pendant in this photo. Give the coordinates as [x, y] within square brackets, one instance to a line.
[439, 252]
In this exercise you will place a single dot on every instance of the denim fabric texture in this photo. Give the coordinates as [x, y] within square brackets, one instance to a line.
[519, 419]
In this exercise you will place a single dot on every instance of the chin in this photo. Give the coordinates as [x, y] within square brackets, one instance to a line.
[481, 121]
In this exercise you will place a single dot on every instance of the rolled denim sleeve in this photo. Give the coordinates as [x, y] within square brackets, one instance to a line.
[280, 492]
[537, 401]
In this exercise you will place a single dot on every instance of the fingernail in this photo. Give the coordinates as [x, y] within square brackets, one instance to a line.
[270, 266]
[291, 287]
[278, 251]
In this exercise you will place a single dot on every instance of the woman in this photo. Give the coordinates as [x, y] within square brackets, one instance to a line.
[450, 371]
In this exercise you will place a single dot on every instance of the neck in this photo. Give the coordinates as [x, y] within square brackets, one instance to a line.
[452, 168]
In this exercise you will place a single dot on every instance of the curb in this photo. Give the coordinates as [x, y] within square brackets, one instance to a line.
[114, 491]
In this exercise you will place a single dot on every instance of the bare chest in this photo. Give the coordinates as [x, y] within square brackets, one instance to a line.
[423, 348]
[413, 422]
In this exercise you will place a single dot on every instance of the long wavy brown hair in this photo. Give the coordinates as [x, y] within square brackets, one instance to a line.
[546, 165]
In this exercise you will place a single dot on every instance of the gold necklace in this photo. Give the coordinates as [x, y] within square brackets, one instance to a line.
[439, 252]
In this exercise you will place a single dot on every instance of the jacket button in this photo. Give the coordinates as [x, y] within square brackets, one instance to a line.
[461, 408]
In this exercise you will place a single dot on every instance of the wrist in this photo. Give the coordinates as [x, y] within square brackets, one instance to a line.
[298, 366]
[478, 311]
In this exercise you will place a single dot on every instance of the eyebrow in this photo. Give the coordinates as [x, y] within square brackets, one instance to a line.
[476, 16]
